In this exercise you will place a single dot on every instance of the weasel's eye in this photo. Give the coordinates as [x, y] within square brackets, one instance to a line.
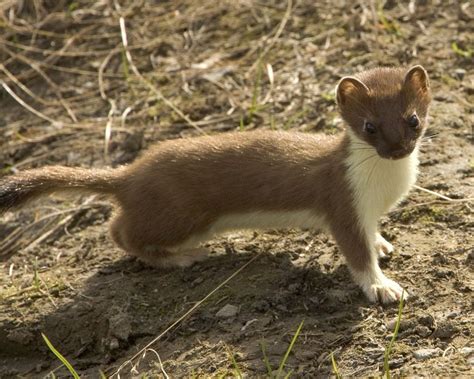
[413, 121]
[369, 128]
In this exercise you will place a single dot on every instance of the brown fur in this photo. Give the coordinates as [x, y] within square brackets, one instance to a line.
[179, 189]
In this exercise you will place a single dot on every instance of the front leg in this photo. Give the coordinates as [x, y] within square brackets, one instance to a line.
[360, 252]
[382, 246]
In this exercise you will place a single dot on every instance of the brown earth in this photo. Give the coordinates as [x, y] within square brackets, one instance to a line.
[62, 276]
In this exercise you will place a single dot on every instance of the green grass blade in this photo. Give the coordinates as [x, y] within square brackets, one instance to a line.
[60, 357]
[335, 369]
[256, 88]
[272, 122]
[265, 359]
[388, 349]
[288, 351]
[463, 53]
[234, 363]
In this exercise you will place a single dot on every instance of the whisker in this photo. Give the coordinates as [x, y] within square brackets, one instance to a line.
[372, 171]
[362, 149]
[363, 161]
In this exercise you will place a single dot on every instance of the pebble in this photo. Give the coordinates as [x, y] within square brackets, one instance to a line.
[423, 354]
[459, 73]
[422, 331]
[404, 324]
[227, 311]
[427, 320]
[197, 281]
[120, 325]
[114, 344]
[467, 351]
[261, 306]
[445, 330]
[396, 363]
[20, 336]
[470, 258]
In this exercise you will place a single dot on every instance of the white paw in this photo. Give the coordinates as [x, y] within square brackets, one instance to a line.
[186, 258]
[387, 292]
[378, 288]
[382, 246]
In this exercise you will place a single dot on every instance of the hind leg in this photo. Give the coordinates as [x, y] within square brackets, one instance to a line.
[146, 243]
[116, 230]
[183, 258]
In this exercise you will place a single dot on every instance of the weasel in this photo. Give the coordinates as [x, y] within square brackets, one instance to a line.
[183, 192]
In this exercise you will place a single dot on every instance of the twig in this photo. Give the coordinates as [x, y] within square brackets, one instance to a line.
[433, 193]
[56, 53]
[450, 202]
[108, 127]
[28, 107]
[180, 319]
[22, 86]
[31, 94]
[62, 222]
[102, 67]
[277, 35]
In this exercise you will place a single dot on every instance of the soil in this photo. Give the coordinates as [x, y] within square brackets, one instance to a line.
[228, 66]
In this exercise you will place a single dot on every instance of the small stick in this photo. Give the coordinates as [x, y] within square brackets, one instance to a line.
[28, 107]
[277, 35]
[61, 223]
[433, 193]
[191, 310]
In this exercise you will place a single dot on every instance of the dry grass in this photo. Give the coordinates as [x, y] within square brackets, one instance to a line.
[93, 82]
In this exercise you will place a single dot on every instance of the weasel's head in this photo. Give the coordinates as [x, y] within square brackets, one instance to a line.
[386, 108]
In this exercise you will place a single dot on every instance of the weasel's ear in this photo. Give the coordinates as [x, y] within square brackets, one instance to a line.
[416, 79]
[350, 87]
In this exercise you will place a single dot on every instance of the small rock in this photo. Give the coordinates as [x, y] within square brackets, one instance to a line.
[444, 273]
[294, 287]
[261, 306]
[452, 315]
[197, 281]
[423, 354]
[396, 363]
[470, 258]
[20, 336]
[119, 325]
[282, 308]
[338, 296]
[445, 330]
[227, 311]
[467, 351]
[114, 344]
[422, 331]
[459, 73]
[427, 320]
[404, 324]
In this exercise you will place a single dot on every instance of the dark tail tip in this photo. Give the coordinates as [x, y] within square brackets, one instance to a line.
[11, 195]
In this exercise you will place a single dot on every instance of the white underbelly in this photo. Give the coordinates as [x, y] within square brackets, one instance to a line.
[305, 219]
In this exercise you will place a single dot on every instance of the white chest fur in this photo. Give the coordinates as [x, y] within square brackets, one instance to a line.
[378, 184]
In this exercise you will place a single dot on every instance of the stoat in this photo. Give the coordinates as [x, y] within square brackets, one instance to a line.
[181, 193]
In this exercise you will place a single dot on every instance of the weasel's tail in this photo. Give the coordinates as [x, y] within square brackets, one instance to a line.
[16, 190]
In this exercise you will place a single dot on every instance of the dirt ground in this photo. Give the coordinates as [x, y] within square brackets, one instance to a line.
[70, 96]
